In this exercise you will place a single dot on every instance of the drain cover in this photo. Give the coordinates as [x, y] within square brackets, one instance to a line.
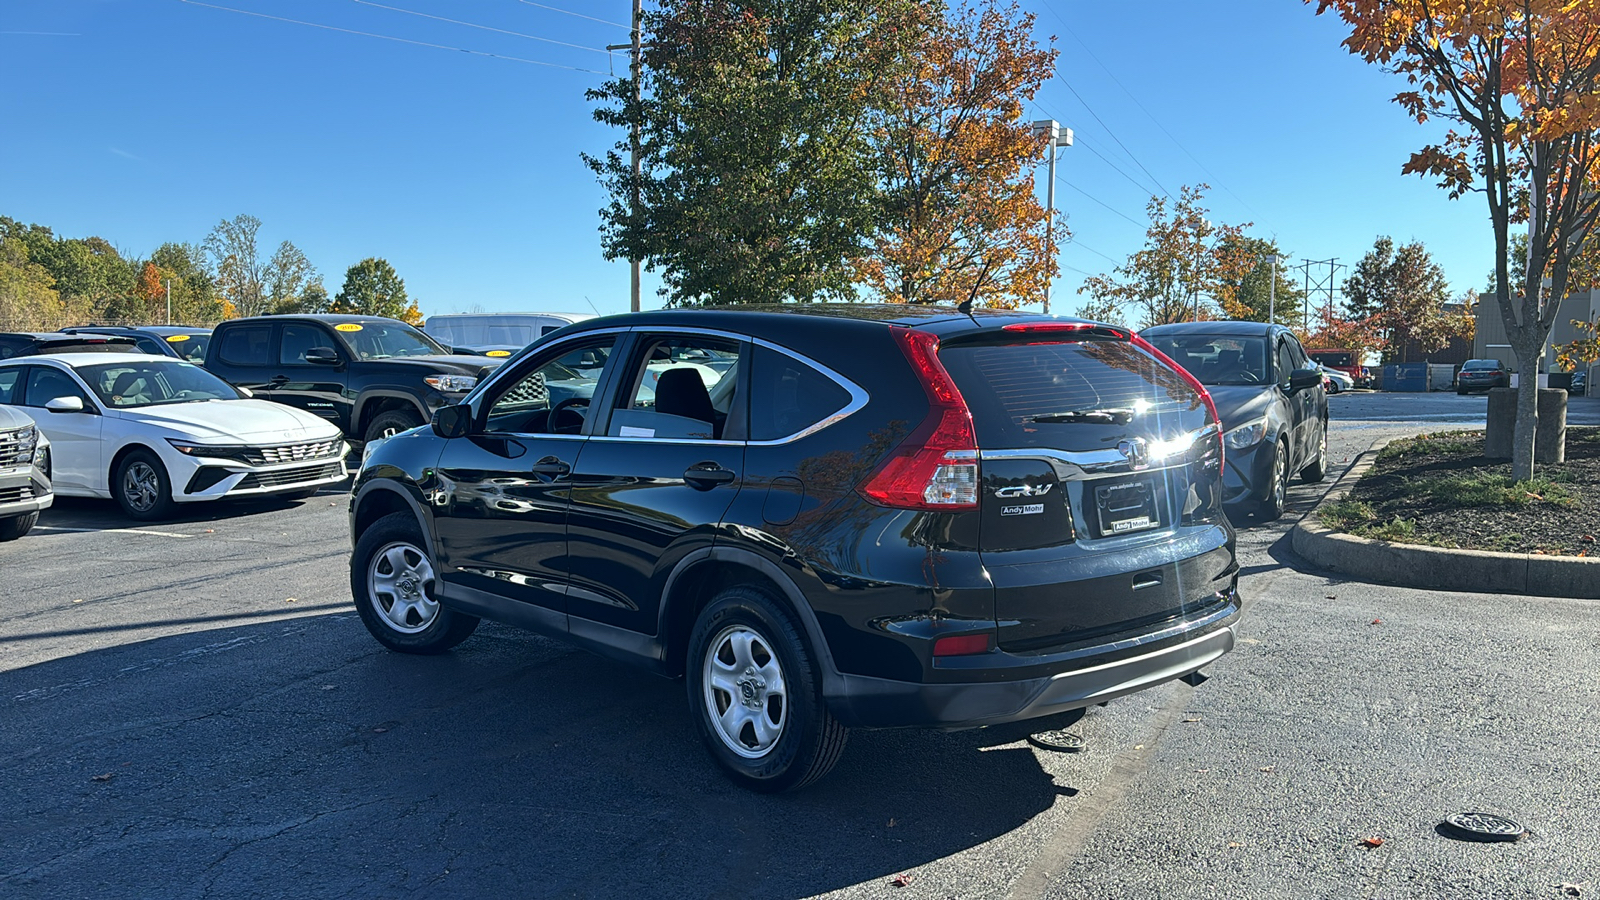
[1059, 741]
[1482, 826]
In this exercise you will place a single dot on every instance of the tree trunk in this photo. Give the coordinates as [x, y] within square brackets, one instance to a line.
[1522, 442]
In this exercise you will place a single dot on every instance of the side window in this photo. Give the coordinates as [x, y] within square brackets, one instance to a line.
[247, 345]
[787, 396]
[149, 345]
[1286, 361]
[10, 379]
[297, 339]
[567, 381]
[679, 387]
[46, 384]
[10, 346]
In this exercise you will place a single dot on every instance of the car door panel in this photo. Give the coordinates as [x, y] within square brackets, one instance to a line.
[77, 445]
[316, 388]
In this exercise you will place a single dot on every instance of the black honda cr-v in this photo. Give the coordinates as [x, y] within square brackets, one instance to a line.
[820, 517]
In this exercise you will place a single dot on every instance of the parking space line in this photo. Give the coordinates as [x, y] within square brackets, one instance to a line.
[170, 534]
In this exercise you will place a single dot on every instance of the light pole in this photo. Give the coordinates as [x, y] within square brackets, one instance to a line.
[1272, 291]
[1199, 247]
[1055, 136]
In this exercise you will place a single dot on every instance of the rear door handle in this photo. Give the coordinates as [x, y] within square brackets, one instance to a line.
[550, 466]
[707, 475]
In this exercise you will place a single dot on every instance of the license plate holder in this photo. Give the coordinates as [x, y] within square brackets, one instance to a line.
[1125, 507]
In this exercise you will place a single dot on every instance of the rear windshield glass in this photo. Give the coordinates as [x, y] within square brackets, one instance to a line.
[1068, 395]
[1217, 359]
[1482, 364]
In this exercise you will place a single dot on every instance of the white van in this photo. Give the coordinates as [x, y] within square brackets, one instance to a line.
[496, 334]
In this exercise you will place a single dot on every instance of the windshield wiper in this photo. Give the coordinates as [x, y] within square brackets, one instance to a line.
[1117, 416]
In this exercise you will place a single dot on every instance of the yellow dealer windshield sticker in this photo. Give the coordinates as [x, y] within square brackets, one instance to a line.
[347, 326]
[177, 338]
[498, 353]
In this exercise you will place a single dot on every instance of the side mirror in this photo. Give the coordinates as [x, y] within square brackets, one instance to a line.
[322, 356]
[452, 421]
[1301, 379]
[65, 405]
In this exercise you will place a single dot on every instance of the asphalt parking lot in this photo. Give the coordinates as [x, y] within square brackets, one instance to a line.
[192, 709]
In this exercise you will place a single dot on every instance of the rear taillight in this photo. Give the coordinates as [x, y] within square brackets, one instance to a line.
[936, 466]
[962, 644]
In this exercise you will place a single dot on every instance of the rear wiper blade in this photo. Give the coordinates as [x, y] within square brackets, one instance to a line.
[1117, 416]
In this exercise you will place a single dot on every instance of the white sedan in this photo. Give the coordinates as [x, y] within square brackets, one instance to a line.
[1340, 381]
[152, 431]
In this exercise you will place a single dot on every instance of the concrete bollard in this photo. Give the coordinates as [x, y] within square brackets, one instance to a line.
[1550, 437]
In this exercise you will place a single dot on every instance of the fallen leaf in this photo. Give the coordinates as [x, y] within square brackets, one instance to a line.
[902, 880]
[106, 777]
[1234, 845]
[1138, 746]
[77, 601]
[1538, 553]
[1202, 771]
[1372, 842]
[1587, 539]
[1269, 768]
[211, 531]
[1377, 621]
[291, 600]
[1192, 719]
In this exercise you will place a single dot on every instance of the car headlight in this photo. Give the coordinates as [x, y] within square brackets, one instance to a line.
[451, 383]
[27, 440]
[1247, 435]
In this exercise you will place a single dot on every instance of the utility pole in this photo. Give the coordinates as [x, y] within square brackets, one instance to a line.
[1322, 284]
[1272, 291]
[1055, 136]
[635, 67]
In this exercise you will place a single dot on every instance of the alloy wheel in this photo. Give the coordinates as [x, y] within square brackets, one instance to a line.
[745, 692]
[401, 579]
[141, 487]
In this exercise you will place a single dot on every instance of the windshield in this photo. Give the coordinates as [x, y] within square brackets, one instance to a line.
[381, 340]
[190, 346]
[131, 385]
[1217, 359]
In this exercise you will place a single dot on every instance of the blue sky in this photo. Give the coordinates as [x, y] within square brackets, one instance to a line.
[150, 120]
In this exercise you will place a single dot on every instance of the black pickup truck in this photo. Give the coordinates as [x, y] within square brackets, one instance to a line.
[370, 375]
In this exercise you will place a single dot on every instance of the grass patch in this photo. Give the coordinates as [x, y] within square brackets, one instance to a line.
[1488, 490]
[1396, 530]
[1452, 443]
[1346, 515]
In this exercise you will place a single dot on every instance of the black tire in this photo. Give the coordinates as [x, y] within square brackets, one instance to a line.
[428, 626]
[1318, 469]
[1270, 505]
[13, 527]
[141, 486]
[809, 739]
[392, 422]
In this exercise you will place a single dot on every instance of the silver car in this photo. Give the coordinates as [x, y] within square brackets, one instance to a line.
[24, 473]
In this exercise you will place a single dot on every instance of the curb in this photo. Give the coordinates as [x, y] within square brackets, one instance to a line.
[1438, 568]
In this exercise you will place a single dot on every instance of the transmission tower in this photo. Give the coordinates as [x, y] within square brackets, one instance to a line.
[1320, 285]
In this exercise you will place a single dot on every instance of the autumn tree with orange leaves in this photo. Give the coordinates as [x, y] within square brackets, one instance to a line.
[1519, 83]
[1189, 268]
[961, 220]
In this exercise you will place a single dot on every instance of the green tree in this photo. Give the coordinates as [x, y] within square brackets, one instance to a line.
[28, 298]
[1248, 286]
[1402, 293]
[194, 294]
[373, 288]
[755, 134]
[241, 273]
[288, 276]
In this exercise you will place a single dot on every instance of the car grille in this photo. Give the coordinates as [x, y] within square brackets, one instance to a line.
[10, 448]
[16, 494]
[286, 477]
[267, 456]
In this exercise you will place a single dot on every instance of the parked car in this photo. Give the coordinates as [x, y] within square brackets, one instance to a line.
[151, 431]
[23, 343]
[1580, 382]
[370, 376]
[870, 516]
[1345, 361]
[1274, 410]
[496, 334]
[1481, 375]
[1335, 381]
[176, 341]
[24, 473]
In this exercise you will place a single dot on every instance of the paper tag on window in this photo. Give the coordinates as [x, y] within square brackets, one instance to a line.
[631, 431]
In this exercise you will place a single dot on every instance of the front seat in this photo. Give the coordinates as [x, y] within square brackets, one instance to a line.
[680, 392]
[128, 388]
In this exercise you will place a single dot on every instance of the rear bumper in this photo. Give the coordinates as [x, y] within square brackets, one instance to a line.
[868, 702]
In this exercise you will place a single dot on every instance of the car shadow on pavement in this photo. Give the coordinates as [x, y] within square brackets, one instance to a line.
[296, 757]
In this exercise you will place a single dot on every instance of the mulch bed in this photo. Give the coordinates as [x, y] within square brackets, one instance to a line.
[1391, 489]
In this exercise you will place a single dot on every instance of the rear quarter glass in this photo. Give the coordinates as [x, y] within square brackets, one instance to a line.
[1008, 386]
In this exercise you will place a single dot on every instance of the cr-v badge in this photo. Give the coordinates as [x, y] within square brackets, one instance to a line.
[1023, 490]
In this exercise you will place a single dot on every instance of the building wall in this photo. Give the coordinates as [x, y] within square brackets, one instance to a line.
[1490, 341]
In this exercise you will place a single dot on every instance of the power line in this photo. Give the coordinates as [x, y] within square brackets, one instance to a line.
[571, 13]
[1135, 182]
[1077, 243]
[1102, 202]
[1154, 179]
[1131, 96]
[385, 37]
[1063, 265]
[531, 37]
